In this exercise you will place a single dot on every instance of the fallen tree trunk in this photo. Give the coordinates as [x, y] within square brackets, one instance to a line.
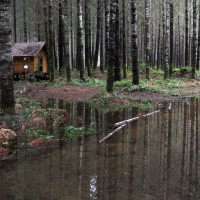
[135, 118]
[116, 130]
[122, 124]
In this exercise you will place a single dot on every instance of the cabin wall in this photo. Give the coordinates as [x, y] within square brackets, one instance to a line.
[42, 55]
[19, 62]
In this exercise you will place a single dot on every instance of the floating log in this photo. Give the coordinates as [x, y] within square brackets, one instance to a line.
[116, 130]
[135, 118]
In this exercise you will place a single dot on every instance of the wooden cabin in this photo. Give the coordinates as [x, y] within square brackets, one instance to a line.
[29, 57]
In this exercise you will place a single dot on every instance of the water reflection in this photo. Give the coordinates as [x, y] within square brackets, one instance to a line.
[153, 158]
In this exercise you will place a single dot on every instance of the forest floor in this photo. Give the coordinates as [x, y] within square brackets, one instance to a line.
[153, 89]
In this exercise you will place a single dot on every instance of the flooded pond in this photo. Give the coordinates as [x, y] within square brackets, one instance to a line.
[154, 158]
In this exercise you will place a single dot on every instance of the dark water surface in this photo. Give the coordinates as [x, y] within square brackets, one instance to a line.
[155, 158]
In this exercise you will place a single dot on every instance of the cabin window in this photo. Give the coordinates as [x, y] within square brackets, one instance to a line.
[40, 64]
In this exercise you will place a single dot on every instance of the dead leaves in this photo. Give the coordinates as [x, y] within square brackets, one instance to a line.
[6, 135]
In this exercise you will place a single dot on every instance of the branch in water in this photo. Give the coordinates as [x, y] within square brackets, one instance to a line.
[135, 118]
[122, 124]
[109, 135]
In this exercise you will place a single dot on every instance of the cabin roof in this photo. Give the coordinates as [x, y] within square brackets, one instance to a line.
[27, 49]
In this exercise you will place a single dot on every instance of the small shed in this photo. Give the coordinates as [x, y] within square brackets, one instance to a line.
[29, 57]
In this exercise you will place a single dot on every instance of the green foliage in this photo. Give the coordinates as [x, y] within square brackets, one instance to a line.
[142, 65]
[186, 68]
[71, 131]
[144, 105]
[38, 133]
[183, 70]
[46, 112]
[158, 86]
[55, 83]
[89, 82]
[154, 71]
[123, 83]
[67, 132]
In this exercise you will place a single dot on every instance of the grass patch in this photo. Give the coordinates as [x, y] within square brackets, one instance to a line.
[160, 86]
[89, 82]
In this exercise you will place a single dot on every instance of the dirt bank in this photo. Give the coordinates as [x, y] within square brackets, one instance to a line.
[67, 93]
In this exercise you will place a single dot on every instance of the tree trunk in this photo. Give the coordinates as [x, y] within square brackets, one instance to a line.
[61, 38]
[167, 41]
[171, 37]
[117, 69]
[112, 47]
[45, 10]
[135, 70]
[14, 22]
[198, 45]
[147, 37]
[80, 56]
[186, 34]
[102, 57]
[51, 43]
[6, 70]
[158, 47]
[65, 23]
[163, 33]
[24, 21]
[96, 54]
[87, 38]
[72, 36]
[194, 36]
[107, 20]
[124, 42]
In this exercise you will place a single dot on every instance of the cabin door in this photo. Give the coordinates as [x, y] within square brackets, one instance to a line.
[40, 64]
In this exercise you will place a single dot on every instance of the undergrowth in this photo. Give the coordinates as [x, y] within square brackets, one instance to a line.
[77, 82]
[160, 86]
[65, 132]
[114, 102]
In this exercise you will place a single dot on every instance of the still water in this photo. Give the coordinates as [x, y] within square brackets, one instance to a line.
[156, 158]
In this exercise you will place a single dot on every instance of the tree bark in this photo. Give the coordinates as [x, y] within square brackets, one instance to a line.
[87, 38]
[194, 38]
[98, 33]
[102, 57]
[61, 38]
[135, 70]
[167, 41]
[171, 37]
[72, 35]
[80, 56]
[124, 42]
[24, 21]
[14, 22]
[147, 37]
[65, 23]
[198, 45]
[117, 68]
[51, 43]
[186, 34]
[107, 20]
[112, 47]
[6, 70]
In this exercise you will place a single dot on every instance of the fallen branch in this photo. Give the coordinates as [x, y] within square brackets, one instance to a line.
[122, 124]
[116, 130]
[135, 118]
